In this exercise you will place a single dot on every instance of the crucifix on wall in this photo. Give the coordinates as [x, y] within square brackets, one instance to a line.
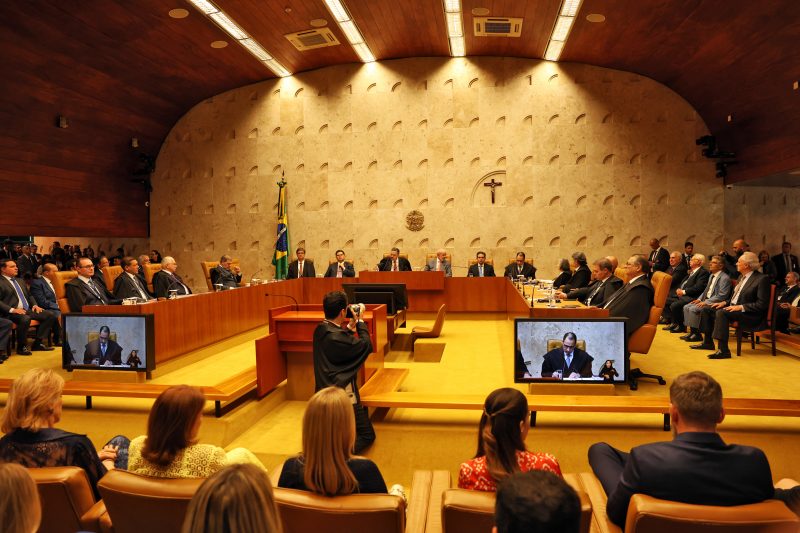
[493, 184]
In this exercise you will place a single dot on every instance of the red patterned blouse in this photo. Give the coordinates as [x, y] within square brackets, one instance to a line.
[475, 476]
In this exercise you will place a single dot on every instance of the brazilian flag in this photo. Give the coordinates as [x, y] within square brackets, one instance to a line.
[280, 258]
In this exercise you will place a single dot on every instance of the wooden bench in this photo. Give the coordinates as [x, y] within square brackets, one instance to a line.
[575, 404]
[383, 381]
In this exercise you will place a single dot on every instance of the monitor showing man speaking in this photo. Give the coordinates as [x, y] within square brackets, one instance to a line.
[570, 350]
[109, 342]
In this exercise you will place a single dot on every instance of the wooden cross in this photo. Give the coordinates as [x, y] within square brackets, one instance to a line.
[493, 184]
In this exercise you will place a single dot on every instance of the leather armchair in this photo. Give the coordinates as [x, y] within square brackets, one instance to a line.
[67, 501]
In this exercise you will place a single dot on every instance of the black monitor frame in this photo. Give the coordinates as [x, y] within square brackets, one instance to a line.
[394, 295]
[150, 356]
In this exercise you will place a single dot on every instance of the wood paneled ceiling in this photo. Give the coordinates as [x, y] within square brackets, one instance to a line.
[118, 70]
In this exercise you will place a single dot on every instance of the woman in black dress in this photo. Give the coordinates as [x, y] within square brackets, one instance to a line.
[565, 273]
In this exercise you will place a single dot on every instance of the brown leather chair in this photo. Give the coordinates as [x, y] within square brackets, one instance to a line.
[67, 500]
[110, 273]
[641, 339]
[527, 260]
[58, 285]
[420, 332]
[651, 515]
[303, 511]
[475, 262]
[553, 344]
[143, 504]
[150, 270]
[622, 274]
[448, 257]
[208, 266]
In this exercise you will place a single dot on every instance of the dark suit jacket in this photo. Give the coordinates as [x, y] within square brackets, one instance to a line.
[580, 278]
[611, 285]
[696, 283]
[9, 297]
[697, 468]
[660, 259]
[93, 351]
[754, 296]
[554, 361]
[347, 272]
[125, 286]
[308, 269]
[787, 296]
[780, 266]
[26, 265]
[44, 295]
[488, 270]
[528, 270]
[386, 264]
[633, 302]
[163, 282]
[678, 274]
[225, 277]
[78, 295]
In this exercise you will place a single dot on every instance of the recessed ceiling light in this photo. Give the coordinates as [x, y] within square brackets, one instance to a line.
[318, 23]
[219, 44]
[287, 9]
[480, 11]
[178, 13]
[596, 17]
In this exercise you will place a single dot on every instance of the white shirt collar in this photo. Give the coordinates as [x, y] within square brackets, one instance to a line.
[84, 279]
[637, 277]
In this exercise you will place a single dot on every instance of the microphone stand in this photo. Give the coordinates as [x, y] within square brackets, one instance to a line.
[296, 305]
[256, 274]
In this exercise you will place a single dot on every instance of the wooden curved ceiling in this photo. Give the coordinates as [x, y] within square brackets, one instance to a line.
[118, 70]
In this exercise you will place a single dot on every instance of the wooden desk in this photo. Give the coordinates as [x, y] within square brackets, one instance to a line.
[415, 281]
[562, 309]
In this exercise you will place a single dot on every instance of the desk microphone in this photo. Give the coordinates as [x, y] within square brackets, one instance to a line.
[296, 305]
[174, 281]
[256, 274]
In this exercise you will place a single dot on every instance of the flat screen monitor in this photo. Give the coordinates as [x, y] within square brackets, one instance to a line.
[108, 342]
[570, 350]
[392, 294]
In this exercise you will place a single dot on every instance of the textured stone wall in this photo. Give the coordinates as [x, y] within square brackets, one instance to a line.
[763, 216]
[590, 159]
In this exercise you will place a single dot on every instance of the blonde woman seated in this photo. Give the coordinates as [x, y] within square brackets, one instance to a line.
[237, 499]
[170, 448]
[327, 465]
[31, 439]
[501, 444]
[20, 508]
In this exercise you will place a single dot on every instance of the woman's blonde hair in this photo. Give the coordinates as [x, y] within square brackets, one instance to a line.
[236, 499]
[20, 509]
[329, 432]
[32, 400]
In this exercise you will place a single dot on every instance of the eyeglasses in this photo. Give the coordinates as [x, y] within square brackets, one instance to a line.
[86, 266]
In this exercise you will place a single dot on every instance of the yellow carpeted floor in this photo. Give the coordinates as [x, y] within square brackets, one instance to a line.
[478, 359]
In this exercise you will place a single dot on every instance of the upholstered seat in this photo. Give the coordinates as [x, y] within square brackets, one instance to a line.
[641, 339]
[111, 273]
[208, 266]
[67, 501]
[421, 332]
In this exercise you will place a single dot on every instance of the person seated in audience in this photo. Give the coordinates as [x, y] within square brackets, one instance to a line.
[393, 262]
[604, 284]
[89, 252]
[715, 295]
[678, 270]
[45, 293]
[504, 425]
[102, 264]
[696, 467]
[155, 257]
[85, 290]
[634, 300]
[143, 260]
[520, 268]
[766, 266]
[167, 279]
[659, 257]
[170, 449]
[785, 262]
[690, 289]
[481, 269]
[439, 263]
[688, 252]
[129, 284]
[581, 275]
[301, 267]
[341, 268]
[20, 307]
[729, 260]
[536, 501]
[564, 273]
[226, 273]
[31, 439]
[327, 466]
[786, 296]
[788, 491]
[20, 507]
[236, 499]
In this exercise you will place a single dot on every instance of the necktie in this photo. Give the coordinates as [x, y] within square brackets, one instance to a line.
[594, 293]
[738, 290]
[684, 282]
[300, 269]
[96, 292]
[480, 271]
[711, 283]
[103, 349]
[180, 282]
[22, 299]
[394, 266]
[142, 294]
[788, 262]
[568, 359]
[339, 271]
[438, 265]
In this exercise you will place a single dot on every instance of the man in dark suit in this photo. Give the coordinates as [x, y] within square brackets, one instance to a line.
[688, 252]
[689, 290]
[18, 306]
[128, 284]
[84, 290]
[481, 269]
[729, 260]
[604, 284]
[341, 268]
[696, 467]
[520, 268]
[98, 276]
[785, 262]
[678, 270]
[167, 279]
[226, 273]
[300, 267]
[26, 263]
[45, 293]
[567, 362]
[394, 263]
[634, 300]
[659, 257]
[785, 296]
[582, 274]
[103, 349]
[748, 306]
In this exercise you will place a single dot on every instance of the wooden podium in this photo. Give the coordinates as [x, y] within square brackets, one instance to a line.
[290, 340]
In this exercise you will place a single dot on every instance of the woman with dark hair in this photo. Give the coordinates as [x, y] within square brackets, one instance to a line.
[155, 257]
[170, 448]
[501, 444]
[767, 266]
[581, 274]
[565, 273]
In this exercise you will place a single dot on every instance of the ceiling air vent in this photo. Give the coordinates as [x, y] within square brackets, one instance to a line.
[497, 27]
[310, 39]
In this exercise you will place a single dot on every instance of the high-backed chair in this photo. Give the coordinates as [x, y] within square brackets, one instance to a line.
[651, 515]
[138, 504]
[641, 339]
[302, 511]
[527, 260]
[448, 257]
[208, 266]
[475, 262]
[766, 327]
[150, 270]
[421, 332]
[403, 255]
[67, 500]
[110, 273]
[622, 274]
[553, 344]
[58, 285]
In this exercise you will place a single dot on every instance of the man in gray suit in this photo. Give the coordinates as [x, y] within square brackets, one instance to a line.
[440, 263]
[716, 294]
